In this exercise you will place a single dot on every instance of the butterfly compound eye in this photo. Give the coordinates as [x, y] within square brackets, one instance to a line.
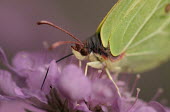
[84, 52]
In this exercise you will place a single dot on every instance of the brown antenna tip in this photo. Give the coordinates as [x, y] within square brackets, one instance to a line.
[50, 48]
[59, 28]
[42, 22]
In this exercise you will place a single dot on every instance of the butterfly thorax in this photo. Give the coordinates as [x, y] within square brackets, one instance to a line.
[92, 50]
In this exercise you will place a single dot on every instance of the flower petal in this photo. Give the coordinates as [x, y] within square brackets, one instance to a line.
[35, 78]
[4, 60]
[73, 84]
[3, 57]
[7, 85]
[82, 107]
[17, 106]
[167, 109]
[22, 60]
[103, 91]
[150, 107]
[157, 106]
[146, 109]
[53, 73]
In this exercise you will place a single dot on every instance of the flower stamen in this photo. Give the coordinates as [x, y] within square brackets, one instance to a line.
[158, 94]
[137, 96]
[135, 83]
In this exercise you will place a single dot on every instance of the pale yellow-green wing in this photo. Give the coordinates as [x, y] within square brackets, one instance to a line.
[104, 19]
[141, 29]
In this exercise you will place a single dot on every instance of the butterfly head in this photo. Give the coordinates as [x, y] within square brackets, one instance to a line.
[80, 51]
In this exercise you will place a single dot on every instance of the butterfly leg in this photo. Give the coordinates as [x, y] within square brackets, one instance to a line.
[80, 63]
[94, 64]
[110, 77]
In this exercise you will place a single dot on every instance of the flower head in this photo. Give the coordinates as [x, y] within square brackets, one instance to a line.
[65, 88]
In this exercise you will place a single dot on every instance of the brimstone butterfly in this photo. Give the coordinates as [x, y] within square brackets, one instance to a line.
[133, 37]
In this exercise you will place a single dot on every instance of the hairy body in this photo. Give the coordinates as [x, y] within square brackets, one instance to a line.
[98, 56]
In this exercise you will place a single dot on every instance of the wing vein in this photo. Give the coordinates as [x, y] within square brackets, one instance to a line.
[138, 31]
[141, 53]
[151, 35]
[131, 21]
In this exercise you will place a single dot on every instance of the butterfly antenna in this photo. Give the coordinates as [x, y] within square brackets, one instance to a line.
[49, 68]
[55, 26]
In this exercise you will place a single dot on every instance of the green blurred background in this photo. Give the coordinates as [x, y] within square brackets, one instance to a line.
[18, 31]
